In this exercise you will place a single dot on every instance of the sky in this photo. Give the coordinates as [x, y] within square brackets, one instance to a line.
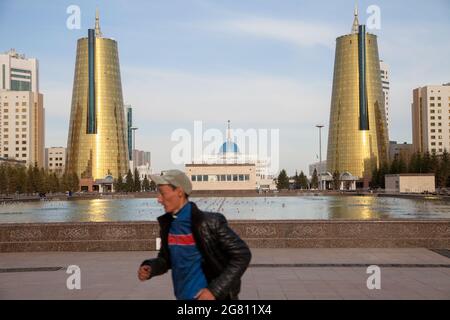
[262, 64]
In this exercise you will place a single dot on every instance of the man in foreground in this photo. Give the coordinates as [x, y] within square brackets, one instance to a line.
[207, 258]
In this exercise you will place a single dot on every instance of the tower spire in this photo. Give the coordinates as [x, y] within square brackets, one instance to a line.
[229, 132]
[98, 33]
[355, 19]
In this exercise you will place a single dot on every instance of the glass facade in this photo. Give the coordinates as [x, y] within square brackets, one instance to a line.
[353, 145]
[129, 133]
[104, 152]
[17, 85]
[91, 127]
[363, 118]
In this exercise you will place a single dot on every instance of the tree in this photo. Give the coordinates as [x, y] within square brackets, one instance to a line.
[53, 183]
[303, 181]
[129, 183]
[336, 180]
[21, 179]
[426, 163]
[283, 180]
[412, 163]
[43, 185]
[402, 168]
[30, 180]
[119, 184]
[12, 179]
[137, 181]
[415, 163]
[152, 185]
[434, 168]
[384, 169]
[3, 179]
[375, 181]
[395, 168]
[70, 182]
[64, 186]
[146, 184]
[314, 180]
[75, 182]
[296, 181]
[444, 170]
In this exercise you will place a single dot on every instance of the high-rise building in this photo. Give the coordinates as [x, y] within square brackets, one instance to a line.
[358, 137]
[22, 114]
[141, 158]
[55, 159]
[18, 73]
[431, 119]
[129, 132]
[385, 75]
[400, 150]
[97, 146]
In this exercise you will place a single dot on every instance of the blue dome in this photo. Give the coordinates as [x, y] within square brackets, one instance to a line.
[229, 147]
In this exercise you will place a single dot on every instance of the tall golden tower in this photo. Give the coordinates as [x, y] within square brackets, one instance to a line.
[357, 138]
[96, 144]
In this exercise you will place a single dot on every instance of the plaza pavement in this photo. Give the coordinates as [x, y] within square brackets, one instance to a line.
[293, 274]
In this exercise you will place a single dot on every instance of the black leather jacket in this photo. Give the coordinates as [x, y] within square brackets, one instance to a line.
[225, 256]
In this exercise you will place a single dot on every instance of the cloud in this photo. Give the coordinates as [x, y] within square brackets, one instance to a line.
[170, 96]
[296, 32]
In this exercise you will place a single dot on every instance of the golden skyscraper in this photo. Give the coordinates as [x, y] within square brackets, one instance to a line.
[357, 138]
[96, 145]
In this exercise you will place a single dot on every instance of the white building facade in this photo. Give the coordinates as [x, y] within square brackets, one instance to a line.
[55, 159]
[431, 119]
[385, 75]
[230, 169]
[22, 114]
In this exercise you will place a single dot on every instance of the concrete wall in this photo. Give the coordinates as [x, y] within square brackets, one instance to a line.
[410, 183]
[417, 184]
[129, 236]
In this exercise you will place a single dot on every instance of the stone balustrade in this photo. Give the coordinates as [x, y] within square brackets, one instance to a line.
[129, 236]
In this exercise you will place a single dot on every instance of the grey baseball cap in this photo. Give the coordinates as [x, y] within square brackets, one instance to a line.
[174, 177]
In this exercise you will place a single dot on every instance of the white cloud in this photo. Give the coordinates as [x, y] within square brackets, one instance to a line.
[300, 33]
[168, 96]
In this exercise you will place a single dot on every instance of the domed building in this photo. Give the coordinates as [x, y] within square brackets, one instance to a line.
[229, 169]
[229, 147]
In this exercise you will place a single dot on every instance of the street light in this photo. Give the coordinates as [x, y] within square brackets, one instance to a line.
[320, 126]
[134, 145]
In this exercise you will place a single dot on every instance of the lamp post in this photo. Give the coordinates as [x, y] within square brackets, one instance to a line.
[134, 145]
[320, 126]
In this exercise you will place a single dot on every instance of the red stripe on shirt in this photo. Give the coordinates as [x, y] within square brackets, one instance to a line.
[181, 239]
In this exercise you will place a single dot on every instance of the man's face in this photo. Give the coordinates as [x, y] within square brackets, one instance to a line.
[171, 199]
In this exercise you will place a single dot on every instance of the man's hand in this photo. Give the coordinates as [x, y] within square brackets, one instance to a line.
[204, 294]
[144, 272]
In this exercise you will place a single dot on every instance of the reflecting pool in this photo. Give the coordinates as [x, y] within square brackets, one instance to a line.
[245, 208]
